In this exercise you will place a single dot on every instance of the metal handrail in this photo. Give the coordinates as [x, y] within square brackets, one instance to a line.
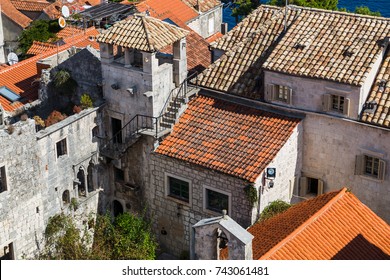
[140, 121]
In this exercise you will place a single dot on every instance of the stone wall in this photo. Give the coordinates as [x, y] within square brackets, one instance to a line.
[176, 217]
[201, 24]
[329, 153]
[10, 31]
[37, 178]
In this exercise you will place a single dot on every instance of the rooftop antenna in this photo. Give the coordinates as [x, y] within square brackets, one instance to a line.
[285, 16]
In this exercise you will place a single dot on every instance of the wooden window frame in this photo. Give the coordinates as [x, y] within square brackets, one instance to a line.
[304, 188]
[370, 166]
[61, 147]
[279, 93]
[341, 106]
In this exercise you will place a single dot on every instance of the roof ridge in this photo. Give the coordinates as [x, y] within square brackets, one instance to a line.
[305, 224]
[144, 23]
[338, 12]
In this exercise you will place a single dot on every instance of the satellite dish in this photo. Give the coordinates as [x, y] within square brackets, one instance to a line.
[62, 22]
[12, 58]
[65, 11]
[70, 1]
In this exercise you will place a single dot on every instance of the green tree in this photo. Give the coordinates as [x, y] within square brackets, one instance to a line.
[125, 237]
[244, 8]
[364, 10]
[39, 30]
[275, 207]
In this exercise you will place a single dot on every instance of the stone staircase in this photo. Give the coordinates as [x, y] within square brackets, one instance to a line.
[157, 127]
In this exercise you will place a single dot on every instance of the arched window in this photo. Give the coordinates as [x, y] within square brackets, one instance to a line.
[66, 197]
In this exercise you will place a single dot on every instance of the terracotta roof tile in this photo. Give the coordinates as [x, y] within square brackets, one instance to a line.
[13, 14]
[204, 5]
[40, 47]
[161, 9]
[21, 77]
[214, 37]
[31, 6]
[238, 71]
[227, 137]
[143, 33]
[341, 47]
[380, 93]
[335, 225]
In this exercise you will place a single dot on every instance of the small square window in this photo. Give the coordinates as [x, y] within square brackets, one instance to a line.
[61, 148]
[3, 179]
[370, 166]
[179, 189]
[282, 93]
[216, 201]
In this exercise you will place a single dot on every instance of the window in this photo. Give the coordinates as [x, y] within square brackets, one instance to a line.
[61, 148]
[279, 93]
[3, 179]
[178, 189]
[66, 197]
[336, 103]
[216, 201]
[211, 25]
[119, 175]
[310, 187]
[370, 166]
[7, 252]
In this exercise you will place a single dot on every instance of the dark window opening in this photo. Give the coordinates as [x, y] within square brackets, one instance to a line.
[3, 179]
[66, 197]
[116, 126]
[119, 175]
[61, 148]
[179, 189]
[117, 208]
[371, 166]
[81, 179]
[217, 201]
[312, 186]
[90, 182]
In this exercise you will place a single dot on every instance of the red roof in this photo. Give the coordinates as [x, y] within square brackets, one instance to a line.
[161, 9]
[40, 47]
[335, 225]
[21, 77]
[13, 14]
[214, 37]
[31, 6]
[228, 137]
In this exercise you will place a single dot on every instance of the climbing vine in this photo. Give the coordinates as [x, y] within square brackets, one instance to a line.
[251, 193]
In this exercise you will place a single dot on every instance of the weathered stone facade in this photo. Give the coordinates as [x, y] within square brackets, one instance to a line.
[207, 23]
[43, 181]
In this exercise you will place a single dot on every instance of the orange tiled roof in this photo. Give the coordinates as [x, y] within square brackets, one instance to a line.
[21, 77]
[335, 225]
[159, 9]
[13, 14]
[143, 33]
[68, 31]
[227, 137]
[322, 44]
[53, 11]
[31, 6]
[238, 71]
[381, 115]
[204, 5]
[40, 47]
[214, 37]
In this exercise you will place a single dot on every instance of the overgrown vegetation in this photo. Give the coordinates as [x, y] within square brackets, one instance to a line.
[275, 207]
[64, 82]
[54, 117]
[251, 193]
[86, 101]
[39, 30]
[125, 237]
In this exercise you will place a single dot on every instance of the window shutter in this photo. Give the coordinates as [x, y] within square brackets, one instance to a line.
[270, 92]
[359, 165]
[347, 103]
[382, 168]
[320, 189]
[326, 100]
[303, 186]
[289, 96]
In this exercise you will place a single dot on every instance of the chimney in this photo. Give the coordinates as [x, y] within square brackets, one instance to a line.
[41, 66]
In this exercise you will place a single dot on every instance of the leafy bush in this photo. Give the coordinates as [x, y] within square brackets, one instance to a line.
[86, 101]
[39, 30]
[64, 82]
[275, 207]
